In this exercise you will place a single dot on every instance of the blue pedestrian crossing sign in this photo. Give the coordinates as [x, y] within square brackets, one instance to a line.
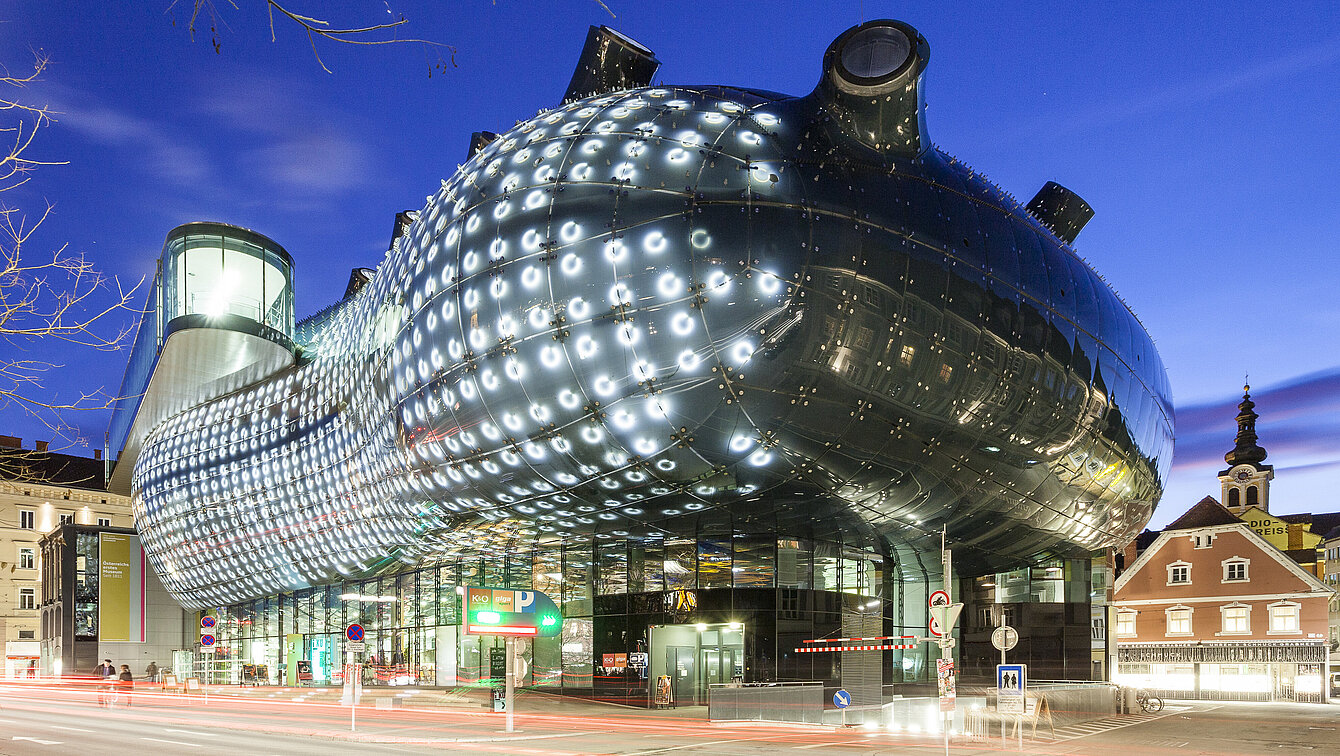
[842, 699]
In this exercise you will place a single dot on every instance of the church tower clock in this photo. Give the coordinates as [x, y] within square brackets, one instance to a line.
[1246, 482]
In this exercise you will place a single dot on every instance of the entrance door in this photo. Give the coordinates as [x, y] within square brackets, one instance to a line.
[680, 661]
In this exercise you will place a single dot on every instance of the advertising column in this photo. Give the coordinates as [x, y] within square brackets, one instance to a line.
[121, 572]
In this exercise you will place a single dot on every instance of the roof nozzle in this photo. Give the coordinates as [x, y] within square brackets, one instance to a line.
[872, 85]
[610, 61]
[1061, 210]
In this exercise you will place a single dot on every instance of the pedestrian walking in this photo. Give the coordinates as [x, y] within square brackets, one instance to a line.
[151, 672]
[107, 672]
[125, 682]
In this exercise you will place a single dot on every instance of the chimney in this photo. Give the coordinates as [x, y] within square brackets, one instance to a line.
[97, 454]
[11, 442]
[42, 446]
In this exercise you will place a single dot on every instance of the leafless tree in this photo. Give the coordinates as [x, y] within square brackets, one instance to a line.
[205, 11]
[387, 33]
[48, 296]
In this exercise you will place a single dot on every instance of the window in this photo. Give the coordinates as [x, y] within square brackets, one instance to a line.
[1236, 619]
[27, 558]
[1179, 573]
[907, 354]
[66, 518]
[1235, 570]
[1252, 499]
[1125, 624]
[27, 598]
[946, 372]
[1203, 540]
[104, 522]
[27, 635]
[1234, 498]
[1284, 617]
[1179, 620]
[26, 519]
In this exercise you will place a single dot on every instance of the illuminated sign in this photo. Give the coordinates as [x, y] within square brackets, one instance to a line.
[497, 611]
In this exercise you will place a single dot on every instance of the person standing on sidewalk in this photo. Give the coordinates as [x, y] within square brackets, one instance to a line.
[151, 672]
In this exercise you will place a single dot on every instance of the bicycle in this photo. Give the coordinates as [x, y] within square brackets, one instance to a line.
[1149, 702]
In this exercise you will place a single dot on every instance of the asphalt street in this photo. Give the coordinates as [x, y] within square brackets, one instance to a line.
[50, 720]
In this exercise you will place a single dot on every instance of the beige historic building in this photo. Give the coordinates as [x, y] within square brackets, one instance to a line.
[40, 489]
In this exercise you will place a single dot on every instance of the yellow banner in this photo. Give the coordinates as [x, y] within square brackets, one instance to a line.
[120, 588]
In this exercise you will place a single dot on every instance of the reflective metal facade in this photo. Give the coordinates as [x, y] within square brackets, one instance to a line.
[656, 306]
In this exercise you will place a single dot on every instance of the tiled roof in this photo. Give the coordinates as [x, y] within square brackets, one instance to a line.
[1205, 513]
[52, 469]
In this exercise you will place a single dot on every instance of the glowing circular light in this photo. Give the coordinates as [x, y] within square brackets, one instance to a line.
[668, 285]
[550, 356]
[570, 231]
[681, 324]
[700, 239]
[603, 385]
[586, 348]
[654, 242]
[688, 360]
[760, 458]
[741, 352]
[530, 277]
[620, 294]
[570, 264]
[579, 308]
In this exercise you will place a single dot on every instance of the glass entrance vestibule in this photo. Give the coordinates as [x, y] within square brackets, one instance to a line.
[694, 657]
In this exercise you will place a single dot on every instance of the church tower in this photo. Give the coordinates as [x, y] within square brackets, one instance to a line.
[1246, 482]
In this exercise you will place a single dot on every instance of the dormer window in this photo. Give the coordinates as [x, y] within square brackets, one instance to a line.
[1235, 569]
[1203, 540]
[1179, 573]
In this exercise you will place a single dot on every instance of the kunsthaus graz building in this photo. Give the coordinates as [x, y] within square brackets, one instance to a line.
[710, 366]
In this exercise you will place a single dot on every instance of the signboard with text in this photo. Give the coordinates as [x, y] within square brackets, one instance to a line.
[121, 573]
[1011, 688]
[497, 611]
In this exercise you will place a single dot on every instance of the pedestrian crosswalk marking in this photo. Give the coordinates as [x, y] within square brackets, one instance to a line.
[1084, 729]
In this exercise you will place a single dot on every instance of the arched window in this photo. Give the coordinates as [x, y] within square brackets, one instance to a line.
[1234, 497]
[1251, 496]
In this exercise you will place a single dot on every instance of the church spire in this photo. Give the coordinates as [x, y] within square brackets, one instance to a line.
[1246, 450]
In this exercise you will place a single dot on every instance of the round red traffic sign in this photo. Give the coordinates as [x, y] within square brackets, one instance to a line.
[207, 622]
[935, 628]
[206, 640]
[939, 598]
[354, 632]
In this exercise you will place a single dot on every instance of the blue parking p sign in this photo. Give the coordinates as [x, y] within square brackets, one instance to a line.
[842, 699]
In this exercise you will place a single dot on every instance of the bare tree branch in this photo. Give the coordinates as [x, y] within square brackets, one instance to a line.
[52, 296]
[371, 34]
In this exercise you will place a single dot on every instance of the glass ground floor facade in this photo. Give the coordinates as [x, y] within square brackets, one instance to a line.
[699, 611]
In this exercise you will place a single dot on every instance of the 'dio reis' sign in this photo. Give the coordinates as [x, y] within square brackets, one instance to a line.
[497, 611]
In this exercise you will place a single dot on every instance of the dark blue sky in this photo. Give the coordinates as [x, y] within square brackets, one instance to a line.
[1203, 134]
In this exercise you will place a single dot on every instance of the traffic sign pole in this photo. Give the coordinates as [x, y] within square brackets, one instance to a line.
[510, 678]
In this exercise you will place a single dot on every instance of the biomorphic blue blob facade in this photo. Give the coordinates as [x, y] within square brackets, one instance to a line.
[660, 307]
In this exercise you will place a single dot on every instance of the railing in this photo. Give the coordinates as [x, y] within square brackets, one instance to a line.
[798, 702]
